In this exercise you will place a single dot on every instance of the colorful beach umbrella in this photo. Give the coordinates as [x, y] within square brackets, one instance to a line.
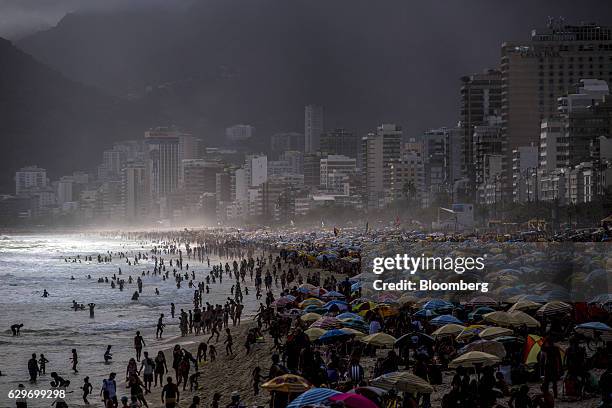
[313, 396]
[333, 335]
[314, 333]
[470, 331]
[327, 323]
[311, 302]
[310, 317]
[349, 400]
[403, 381]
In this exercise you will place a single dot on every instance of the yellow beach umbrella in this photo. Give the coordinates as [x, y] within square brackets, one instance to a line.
[310, 317]
[288, 383]
[314, 333]
[382, 340]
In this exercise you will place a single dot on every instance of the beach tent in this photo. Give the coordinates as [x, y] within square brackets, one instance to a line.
[313, 396]
[403, 381]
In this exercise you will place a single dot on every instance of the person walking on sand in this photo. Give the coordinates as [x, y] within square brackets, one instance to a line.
[160, 327]
[149, 366]
[170, 394]
[139, 343]
[228, 343]
[161, 368]
[109, 390]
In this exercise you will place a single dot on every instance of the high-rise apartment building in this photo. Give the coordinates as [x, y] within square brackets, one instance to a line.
[379, 149]
[538, 71]
[163, 161]
[239, 133]
[480, 99]
[134, 192]
[340, 142]
[30, 178]
[281, 142]
[313, 127]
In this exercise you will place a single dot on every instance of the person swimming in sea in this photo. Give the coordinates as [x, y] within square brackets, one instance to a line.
[16, 329]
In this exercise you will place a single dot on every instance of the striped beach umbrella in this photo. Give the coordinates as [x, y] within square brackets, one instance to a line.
[327, 323]
[470, 331]
[403, 381]
[313, 396]
[525, 305]
[311, 302]
[553, 308]
[350, 400]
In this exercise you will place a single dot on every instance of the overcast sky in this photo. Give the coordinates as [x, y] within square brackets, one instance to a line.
[22, 17]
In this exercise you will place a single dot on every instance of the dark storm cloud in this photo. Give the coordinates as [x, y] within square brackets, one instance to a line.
[22, 17]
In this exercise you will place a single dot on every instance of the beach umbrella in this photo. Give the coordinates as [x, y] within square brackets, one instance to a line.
[313, 396]
[487, 346]
[448, 330]
[282, 302]
[403, 381]
[366, 305]
[482, 301]
[494, 332]
[553, 308]
[437, 304]
[533, 298]
[354, 332]
[332, 294]
[333, 335]
[523, 318]
[318, 292]
[414, 339]
[369, 391]
[445, 319]
[350, 400]
[386, 310]
[310, 317]
[589, 329]
[474, 358]
[500, 318]
[315, 309]
[356, 324]
[425, 313]
[480, 312]
[327, 323]
[311, 302]
[314, 333]
[533, 346]
[524, 305]
[307, 286]
[470, 331]
[287, 383]
[339, 304]
[382, 340]
[349, 315]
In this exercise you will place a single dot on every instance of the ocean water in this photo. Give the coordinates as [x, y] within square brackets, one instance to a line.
[31, 263]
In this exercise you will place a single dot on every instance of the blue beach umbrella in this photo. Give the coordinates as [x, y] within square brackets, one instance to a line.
[425, 313]
[597, 326]
[341, 305]
[313, 396]
[437, 304]
[445, 319]
[333, 335]
[349, 315]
